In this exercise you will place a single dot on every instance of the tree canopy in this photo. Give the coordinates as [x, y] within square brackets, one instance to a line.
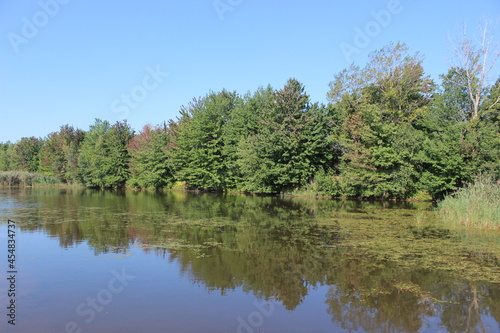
[388, 131]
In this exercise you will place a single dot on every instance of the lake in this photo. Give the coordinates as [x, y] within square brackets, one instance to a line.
[126, 261]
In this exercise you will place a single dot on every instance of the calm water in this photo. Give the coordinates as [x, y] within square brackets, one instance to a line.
[104, 261]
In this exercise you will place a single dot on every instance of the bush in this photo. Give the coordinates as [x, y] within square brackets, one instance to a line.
[475, 205]
[179, 186]
[327, 183]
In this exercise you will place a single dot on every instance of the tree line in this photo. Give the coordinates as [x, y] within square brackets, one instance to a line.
[388, 131]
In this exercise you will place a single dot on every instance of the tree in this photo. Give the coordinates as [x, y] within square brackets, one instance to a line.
[489, 133]
[289, 144]
[455, 97]
[242, 124]
[392, 79]
[357, 172]
[199, 154]
[4, 156]
[376, 108]
[441, 159]
[103, 160]
[59, 155]
[476, 58]
[25, 154]
[150, 158]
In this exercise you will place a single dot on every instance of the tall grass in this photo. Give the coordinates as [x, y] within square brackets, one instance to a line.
[23, 178]
[476, 205]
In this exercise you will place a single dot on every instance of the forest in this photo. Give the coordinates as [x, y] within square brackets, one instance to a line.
[387, 131]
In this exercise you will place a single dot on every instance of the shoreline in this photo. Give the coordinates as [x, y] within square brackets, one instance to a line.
[291, 195]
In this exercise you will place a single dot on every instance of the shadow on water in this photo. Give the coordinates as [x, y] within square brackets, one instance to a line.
[385, 269]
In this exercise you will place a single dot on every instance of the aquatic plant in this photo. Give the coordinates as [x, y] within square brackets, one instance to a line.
[475, 205]
[24, 178]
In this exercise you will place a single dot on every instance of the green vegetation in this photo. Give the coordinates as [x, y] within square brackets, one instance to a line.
[199, 154]
[389, 131]
[59, 154]
[104, 158]
[150, 165]
[475, 205]
[24, 178]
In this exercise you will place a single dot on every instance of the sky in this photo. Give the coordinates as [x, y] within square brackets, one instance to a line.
[72, 61]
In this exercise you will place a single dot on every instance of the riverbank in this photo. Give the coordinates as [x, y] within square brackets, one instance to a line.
[31, 179]
[474, 206]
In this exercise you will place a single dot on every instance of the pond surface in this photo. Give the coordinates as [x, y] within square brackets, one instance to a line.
[108, 261]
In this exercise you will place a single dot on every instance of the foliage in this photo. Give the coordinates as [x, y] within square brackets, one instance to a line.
[199, 153]
[377, 108]
[488, 134]
[241, 125]
[441, 160]
[59, 154]
[392, 80]
[150, 164]
[103, 160]
[289, 144]
[399, 136]
[389, 131]
[4, 156]
[24, 154]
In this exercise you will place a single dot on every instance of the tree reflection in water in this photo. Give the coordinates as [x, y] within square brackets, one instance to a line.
[387, 271]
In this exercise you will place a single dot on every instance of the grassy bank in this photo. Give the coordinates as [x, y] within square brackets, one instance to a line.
[476, 205]
[23, 178]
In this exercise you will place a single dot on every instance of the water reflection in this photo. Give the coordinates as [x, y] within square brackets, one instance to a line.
[387, 271]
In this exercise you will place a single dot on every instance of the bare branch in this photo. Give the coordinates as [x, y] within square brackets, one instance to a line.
[476, 58]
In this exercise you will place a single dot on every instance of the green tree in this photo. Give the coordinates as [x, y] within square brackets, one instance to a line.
[289, 144]
[24, 155]
[358, 174]
[199, 153]
[4, 156]
[243, 123]
[489, 133]
[150, 158]
[103, 160]
[59, 155]
[377, 107]
[454, 96]
[392, 79]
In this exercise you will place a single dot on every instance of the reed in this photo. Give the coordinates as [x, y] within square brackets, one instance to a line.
[475, 205]
[24, 178]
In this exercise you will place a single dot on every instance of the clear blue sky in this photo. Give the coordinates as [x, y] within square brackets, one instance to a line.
[74, 62]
